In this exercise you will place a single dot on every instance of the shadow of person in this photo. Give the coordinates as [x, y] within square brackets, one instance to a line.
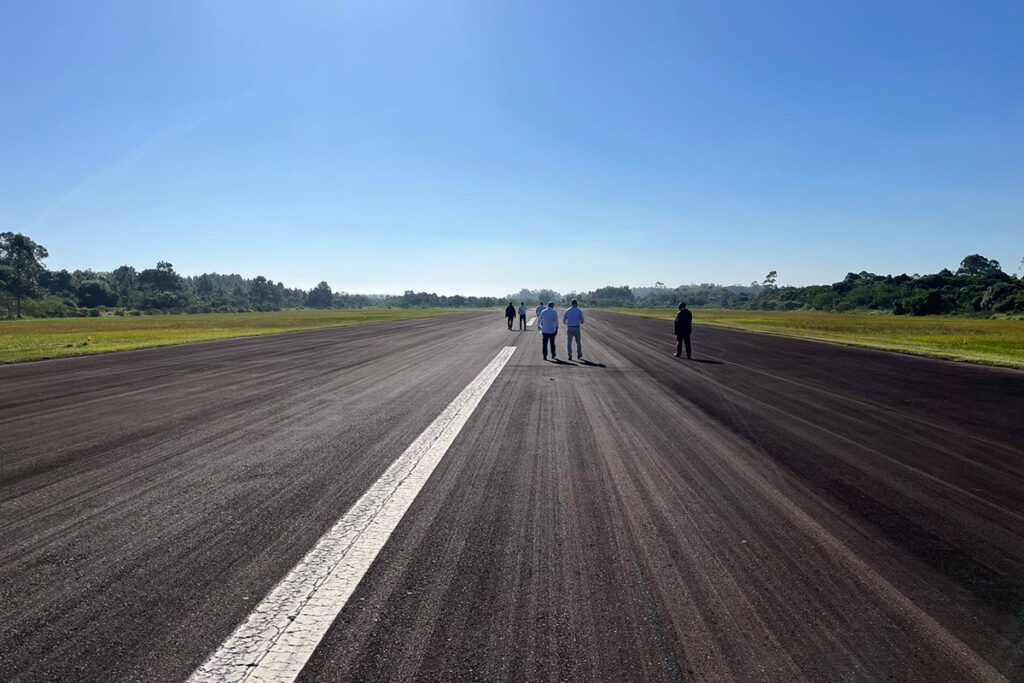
[709, 362]
[559, 361]
[589, 364]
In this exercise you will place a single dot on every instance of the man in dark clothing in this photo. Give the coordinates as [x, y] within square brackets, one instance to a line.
[684, 325]
[510, 314]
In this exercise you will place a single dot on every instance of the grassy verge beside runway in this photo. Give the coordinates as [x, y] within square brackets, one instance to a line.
[979, 340]
[54, 337]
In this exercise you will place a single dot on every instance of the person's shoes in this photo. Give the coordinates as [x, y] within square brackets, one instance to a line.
[677, 355]
[579, 356]
[688, 358]
[570, 357]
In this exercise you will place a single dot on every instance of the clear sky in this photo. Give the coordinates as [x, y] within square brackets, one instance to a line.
[480, 146]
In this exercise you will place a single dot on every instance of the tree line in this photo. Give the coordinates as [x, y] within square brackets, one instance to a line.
[27, 287]
[979, 286]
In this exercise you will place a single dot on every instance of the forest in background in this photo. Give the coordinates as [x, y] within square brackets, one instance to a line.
[979, 286]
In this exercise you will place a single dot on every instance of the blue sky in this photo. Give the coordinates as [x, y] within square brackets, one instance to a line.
[482, 146]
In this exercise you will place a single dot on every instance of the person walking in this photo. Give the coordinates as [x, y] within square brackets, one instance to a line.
[510, 314]
[684, 325]
[522, 315]
[573, 318]
[540, 309]
[547, 322]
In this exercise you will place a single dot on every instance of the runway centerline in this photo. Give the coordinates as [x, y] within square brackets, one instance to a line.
[276, 640]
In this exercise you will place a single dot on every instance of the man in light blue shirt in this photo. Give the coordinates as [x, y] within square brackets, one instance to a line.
[522, 315]
[573, 318]
[547, 323]
[540, 309]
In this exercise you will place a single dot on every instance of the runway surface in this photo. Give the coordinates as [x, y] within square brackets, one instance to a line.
[776, 509]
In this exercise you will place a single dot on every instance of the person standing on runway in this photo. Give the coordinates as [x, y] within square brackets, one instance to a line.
[547, 322]
[540, 309]
[510, 314]
[573, 318]
[522, 315]
[684, 325]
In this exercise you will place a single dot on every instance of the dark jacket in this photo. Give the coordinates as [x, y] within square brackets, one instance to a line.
[510, 312]
[684, 322]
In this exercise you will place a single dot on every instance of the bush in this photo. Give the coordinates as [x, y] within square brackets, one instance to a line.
[49, 307]
[1011, 303]
[135, 311]
[94, 293]
[93, 312]
[925, 303]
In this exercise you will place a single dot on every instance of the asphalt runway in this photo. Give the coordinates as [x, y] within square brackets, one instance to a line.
[776, 509]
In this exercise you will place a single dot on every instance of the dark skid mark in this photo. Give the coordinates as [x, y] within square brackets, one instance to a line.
[672, 669]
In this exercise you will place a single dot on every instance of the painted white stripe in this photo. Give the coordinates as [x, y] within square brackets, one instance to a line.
[276, 640]
[530, 322]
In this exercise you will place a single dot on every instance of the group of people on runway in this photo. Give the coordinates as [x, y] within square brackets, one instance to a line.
[547, 324]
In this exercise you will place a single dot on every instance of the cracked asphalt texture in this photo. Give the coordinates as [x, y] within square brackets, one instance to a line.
[776, 509]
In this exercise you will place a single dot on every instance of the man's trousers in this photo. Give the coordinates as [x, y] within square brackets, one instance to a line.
[548, 338]
[680, 340]
[573, 331]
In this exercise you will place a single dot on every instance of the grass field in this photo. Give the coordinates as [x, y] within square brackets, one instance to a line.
[53, 337]
[993, 342]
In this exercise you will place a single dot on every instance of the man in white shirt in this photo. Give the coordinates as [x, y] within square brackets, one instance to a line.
[573, 318]
[547, 323]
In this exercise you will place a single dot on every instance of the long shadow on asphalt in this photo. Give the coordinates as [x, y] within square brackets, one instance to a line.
[587, 363]
[710, 363]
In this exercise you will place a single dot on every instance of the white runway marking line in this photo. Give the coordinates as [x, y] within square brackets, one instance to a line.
[276, 640]
[530, 322]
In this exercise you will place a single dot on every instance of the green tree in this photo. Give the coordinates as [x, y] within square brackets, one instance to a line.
[320, 296]
[57, 282]
[22, 260]
[162, 288]
[611, 296]
[204, 287]
[162, 278]
[93, 293]
[124, 280]
[262, 292]
[978, 266]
